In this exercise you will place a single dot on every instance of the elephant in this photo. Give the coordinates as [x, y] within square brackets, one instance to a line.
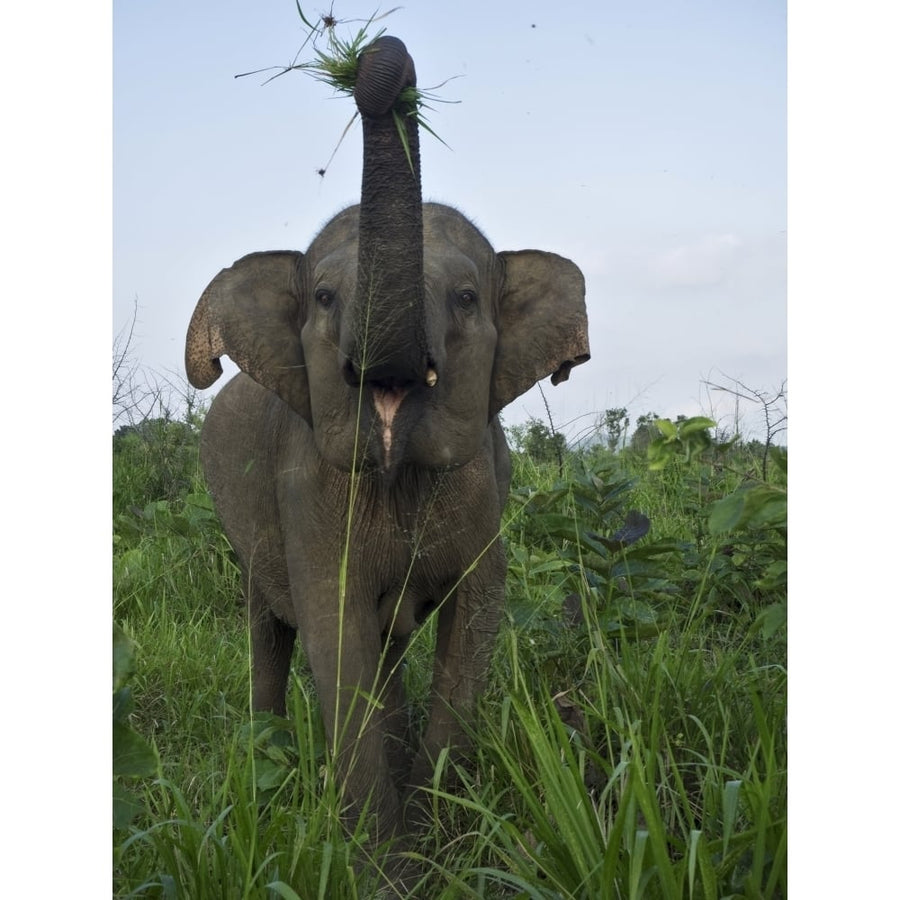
[357, 461]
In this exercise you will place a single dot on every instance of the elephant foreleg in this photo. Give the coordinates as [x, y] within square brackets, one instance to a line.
[467, 627]
[397, 737]
[344, 661]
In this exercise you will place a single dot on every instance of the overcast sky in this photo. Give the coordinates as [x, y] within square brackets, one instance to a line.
[644, 140]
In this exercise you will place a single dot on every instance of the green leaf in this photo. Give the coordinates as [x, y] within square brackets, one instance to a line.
[765, 505]
[699, 854]
[123, 657]
[122, 704]
[635, 568]
[201, 501]
[696, 443]
[775, 576]
[558, 525]
[636, 863]
[772, 619]
[132, 755]
[180, 525]
[125, 806]
[270, 774]
[726, 513]
[730, 797]
[306, 21]
[660, 454]
[400, 125]
[325, 870]
[283, 890]
[756, 507]
[694, 425]
[667, 428]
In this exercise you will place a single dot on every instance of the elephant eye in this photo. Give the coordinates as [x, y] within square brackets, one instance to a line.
[467, 299]
[324, 298]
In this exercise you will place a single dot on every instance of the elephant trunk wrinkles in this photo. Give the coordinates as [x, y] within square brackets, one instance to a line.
[389, 335]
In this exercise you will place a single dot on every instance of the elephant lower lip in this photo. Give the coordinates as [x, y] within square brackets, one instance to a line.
[387, 402]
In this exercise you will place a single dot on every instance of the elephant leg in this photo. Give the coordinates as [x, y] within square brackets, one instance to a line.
[467, 627]
[343, 653]
[397, 737]
[271, 647]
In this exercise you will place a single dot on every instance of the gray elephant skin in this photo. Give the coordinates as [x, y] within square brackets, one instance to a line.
[357, 462]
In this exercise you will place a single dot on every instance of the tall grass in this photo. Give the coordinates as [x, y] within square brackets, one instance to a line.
[631, 743]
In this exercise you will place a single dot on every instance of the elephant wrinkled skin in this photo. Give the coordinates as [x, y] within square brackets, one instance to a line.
[359, 468]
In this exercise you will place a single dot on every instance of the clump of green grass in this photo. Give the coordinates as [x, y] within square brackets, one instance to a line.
[645, 778]
[338, 66]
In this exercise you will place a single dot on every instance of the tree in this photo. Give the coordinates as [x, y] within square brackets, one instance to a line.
[537, 441]
[645, 432]
[614, 424]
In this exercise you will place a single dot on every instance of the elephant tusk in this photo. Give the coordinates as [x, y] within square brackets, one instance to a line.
[431, 378]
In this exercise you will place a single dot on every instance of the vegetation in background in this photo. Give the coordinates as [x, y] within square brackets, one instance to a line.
[632, 742]
[133, 757]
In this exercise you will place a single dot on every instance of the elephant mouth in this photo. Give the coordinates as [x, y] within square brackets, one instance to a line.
[387, 402]
[386, 394]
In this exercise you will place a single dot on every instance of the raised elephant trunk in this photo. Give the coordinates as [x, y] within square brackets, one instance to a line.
[389, 348]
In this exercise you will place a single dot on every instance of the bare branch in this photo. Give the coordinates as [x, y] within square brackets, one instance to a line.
[139, 393]
[774, 409]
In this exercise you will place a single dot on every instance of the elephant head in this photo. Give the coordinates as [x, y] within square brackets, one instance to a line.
[400, 333]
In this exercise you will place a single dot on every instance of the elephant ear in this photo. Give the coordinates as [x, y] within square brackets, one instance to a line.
[542, 323]
[252, 313]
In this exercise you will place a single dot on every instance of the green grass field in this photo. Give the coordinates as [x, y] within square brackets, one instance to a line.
[632, 742]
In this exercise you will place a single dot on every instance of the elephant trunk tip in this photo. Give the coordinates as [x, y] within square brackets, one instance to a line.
[385, 70]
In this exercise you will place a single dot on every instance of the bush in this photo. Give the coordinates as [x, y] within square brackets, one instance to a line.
[537, 442]
[154, 460]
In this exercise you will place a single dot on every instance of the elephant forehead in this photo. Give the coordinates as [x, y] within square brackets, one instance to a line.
[339, 262]
[443, 224]
[453, 247]
[448, 266]
[340, 229]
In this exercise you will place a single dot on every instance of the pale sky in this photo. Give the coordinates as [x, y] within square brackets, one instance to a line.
[644, 140]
